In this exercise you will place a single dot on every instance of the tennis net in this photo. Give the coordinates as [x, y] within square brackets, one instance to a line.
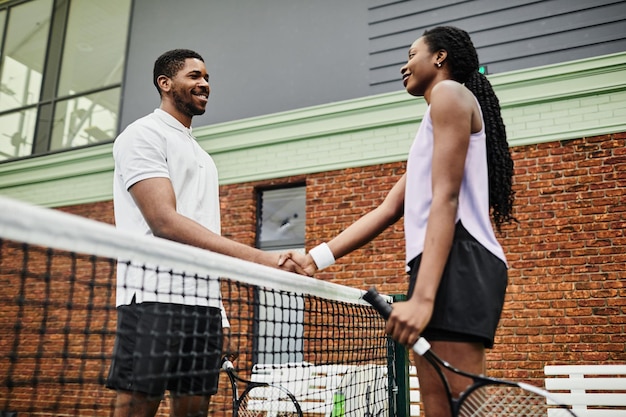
[317, 339]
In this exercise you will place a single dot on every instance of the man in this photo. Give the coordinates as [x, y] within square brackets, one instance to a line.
[166, 185]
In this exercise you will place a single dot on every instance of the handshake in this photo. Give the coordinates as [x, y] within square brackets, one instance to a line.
[307, 264]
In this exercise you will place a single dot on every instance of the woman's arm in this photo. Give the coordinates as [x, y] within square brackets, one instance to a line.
[360, 232]
[451, 109]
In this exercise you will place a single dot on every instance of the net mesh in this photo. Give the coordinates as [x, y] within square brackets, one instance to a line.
[58, 323]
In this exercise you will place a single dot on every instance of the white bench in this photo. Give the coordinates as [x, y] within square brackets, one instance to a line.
[314, 386]
[592, 390]
[414, 393]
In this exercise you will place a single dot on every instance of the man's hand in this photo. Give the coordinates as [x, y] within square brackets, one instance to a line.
[228, 348]
[304, 264]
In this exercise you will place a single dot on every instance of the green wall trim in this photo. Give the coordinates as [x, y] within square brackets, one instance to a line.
[544, 104]
[66, 178]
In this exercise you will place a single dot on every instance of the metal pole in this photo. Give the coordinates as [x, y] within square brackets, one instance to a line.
[400, 400]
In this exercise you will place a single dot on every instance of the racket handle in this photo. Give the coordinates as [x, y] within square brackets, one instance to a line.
[384, 309]
[421, 346]
[378, 302]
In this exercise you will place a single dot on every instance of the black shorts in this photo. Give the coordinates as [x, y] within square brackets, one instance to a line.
[162, 346]
[470, 297]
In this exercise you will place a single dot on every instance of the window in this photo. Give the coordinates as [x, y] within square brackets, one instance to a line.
[279, 335]
[281, 219]
[60, 74]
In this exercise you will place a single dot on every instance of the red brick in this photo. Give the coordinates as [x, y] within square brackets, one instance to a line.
[566, 298]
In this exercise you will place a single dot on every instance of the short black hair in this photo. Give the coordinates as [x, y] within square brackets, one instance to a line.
[170, 62]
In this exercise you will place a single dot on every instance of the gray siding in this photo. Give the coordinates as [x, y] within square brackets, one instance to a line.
[268, 56]
[263, 56]
[508, 34]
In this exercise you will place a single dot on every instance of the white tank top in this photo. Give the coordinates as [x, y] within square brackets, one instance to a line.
[473, 210]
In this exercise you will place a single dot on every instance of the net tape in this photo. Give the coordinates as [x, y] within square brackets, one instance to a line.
[52, 228]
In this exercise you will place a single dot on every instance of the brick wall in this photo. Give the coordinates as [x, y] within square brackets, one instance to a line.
[566, 300]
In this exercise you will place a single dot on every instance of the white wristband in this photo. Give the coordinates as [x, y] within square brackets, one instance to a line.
[322, 256]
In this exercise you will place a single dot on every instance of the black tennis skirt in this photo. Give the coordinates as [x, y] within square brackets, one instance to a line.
[471, 293]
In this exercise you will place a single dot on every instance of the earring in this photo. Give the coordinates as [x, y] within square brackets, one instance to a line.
[438, 64]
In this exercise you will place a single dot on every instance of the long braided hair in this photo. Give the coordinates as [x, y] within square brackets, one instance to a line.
[462, 62]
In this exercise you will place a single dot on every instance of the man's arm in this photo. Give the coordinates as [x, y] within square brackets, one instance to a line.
[157, 202]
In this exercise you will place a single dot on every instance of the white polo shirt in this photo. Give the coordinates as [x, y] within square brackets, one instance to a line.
[158, 145]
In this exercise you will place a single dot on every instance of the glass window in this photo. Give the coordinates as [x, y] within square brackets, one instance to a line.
[85, 120]
[61, 68]
[282, 215]
[23, 53]
[95, 41]
[18, 130]
[3, 18]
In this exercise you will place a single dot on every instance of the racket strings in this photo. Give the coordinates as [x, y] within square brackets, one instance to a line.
[267, 401]
[506, 401]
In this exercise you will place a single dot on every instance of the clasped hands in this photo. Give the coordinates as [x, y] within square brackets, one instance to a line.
[297, 262]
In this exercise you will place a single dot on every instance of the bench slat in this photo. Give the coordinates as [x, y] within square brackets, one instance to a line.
[605, 399]
[278, 406]
[590, 413]
[613, 384]
[585, 369]
[414, 393]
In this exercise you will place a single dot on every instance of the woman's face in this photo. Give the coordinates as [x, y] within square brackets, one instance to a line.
[420, 70]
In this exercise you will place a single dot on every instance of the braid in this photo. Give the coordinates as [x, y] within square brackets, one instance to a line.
[462, 62]
[499, 161]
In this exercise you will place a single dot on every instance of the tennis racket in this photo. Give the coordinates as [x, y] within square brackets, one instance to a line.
[486, 397]
[260, 399]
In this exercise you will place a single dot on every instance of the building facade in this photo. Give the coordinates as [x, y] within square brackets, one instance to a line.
[319, 92]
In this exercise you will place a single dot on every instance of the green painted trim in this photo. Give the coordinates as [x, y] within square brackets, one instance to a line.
[66, 178]
[570, 100]
[556, 102]
[312, 122]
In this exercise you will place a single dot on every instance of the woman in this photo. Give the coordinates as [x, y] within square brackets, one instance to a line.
[458, 271]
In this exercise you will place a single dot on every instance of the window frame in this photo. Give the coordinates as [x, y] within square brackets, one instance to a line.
[48, 100]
